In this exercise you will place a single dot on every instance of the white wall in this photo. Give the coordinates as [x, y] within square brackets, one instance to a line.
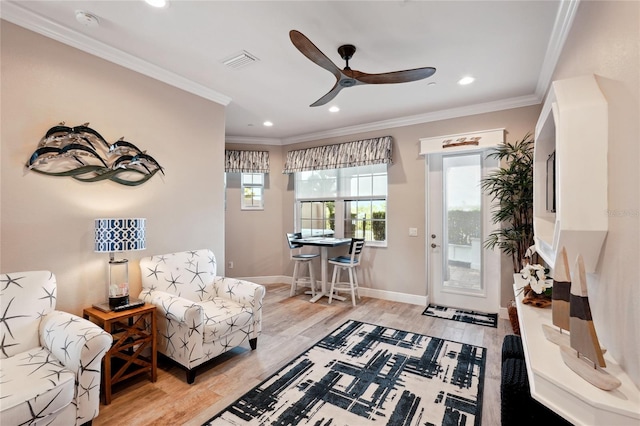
[47, 222]
[605, 41]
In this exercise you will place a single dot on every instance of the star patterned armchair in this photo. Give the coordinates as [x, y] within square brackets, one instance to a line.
[50, 361]
[199, 315]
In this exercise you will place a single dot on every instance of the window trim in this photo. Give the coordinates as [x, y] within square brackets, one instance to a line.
[252, 186]
[340, 208]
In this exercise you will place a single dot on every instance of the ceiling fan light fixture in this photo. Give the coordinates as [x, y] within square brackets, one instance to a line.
[466, 80]
[267, 124]
[334, 109]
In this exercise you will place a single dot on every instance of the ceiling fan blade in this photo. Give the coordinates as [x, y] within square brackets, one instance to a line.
[329, 96]
[394, 77]
[308, 49]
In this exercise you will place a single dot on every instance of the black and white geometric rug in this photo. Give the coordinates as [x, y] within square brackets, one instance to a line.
[364, 374]
[480, 318]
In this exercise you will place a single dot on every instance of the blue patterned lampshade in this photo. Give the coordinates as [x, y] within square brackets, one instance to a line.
[117, 235]
[114, 235]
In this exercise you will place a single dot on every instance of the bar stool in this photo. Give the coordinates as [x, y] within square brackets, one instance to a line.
[301, 259]
[350, 263]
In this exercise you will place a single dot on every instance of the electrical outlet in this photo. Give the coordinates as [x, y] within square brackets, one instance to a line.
[230, 264]
[413, 232]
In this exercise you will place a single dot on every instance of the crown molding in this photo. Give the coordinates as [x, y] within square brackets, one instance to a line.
[252, 140]
[561, 27]
[522, 101]
[18, 15]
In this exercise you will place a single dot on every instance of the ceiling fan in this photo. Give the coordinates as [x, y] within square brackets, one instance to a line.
[348, 77]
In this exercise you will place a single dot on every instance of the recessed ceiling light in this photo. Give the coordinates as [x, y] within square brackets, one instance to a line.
[466, 80]
[157, 3]
[267, 124]
[334, 109]
[431, 83]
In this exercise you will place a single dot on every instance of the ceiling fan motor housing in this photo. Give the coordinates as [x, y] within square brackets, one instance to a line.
[346, 51]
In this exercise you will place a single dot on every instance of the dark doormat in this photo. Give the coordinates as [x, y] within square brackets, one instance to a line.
[472, 317]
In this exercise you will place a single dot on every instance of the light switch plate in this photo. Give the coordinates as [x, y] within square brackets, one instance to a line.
[413, 232]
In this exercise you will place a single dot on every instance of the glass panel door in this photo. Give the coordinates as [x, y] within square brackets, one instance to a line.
[460, 271]
[462, 220]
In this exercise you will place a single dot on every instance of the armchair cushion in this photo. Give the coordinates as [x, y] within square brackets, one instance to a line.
[223, 317]
[50, 386]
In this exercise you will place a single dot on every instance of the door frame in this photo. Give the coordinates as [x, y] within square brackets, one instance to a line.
[482, 141]
[488, 299]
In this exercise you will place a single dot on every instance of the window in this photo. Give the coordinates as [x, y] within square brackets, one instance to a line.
[347, 202]
[252, 191]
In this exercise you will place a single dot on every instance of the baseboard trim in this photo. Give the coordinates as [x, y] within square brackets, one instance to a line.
[265, 280]
[391, 296]
[394, 296]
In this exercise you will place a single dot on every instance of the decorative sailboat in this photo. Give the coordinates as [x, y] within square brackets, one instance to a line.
[560, 302]
[584, 356]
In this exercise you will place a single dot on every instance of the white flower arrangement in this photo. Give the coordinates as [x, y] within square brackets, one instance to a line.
[536, 276]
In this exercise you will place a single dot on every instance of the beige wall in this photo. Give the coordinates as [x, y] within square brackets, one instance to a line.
[399, 267]
[604, 41]
[47, 222]
[255, 240]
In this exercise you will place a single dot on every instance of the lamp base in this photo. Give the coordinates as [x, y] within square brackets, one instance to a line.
[114, 302]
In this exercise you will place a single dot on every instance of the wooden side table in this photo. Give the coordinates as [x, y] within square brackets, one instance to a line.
[130, 338]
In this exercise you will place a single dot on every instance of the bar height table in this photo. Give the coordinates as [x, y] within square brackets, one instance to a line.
[324, 244]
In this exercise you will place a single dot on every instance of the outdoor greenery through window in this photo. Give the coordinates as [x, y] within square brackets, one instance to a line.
[252, 191]
[348, 202]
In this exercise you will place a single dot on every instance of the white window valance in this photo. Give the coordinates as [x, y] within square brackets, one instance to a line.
[348, 154]
[246, 161]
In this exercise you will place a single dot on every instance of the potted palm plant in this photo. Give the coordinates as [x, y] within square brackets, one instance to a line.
[511, 187]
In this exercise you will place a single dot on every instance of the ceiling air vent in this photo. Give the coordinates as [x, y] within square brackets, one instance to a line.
[240, 60]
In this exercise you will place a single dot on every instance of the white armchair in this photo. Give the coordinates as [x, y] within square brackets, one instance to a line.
[50, 361]
[199, 315]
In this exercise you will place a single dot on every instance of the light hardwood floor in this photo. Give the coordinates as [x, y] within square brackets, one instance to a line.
[290, 326]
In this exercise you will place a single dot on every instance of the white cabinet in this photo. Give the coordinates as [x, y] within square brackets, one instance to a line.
[555, 385]
[573, 125]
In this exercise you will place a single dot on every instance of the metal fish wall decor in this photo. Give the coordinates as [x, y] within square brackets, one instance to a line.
[83, 154]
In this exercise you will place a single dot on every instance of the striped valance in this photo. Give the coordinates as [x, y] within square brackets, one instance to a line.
[348, 154]
[246, 161]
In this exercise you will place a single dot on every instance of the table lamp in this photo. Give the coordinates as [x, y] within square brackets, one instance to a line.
[118, 235]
